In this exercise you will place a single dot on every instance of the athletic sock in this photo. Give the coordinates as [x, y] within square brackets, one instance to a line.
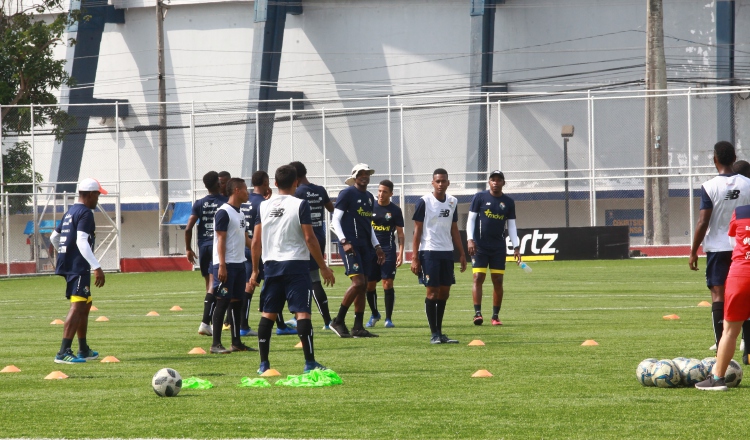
[245, 324]
[234, 313]
[305, 332]
[66, 344]
[280, 324]
[717, 316]
[746, 337]
[390, 299]
[477, 309]
[221, 308]
[265, 329]
[495, 311]
[440, 309]
[341, 317]
[372, 300]
[321, 299]
[82, 345]
[359, 320]
[208, 308]
[430, 309]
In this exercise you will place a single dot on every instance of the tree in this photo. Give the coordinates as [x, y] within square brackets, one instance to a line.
[29, 74]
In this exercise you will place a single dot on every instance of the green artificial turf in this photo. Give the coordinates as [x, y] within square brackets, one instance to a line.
[545, 384]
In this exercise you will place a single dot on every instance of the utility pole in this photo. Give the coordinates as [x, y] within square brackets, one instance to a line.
[656, 189]
[163, 151]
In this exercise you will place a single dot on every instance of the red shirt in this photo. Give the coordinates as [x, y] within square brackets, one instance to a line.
[739, 228]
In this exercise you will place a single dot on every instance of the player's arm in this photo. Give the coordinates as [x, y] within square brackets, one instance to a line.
[416, 241]
[221, 246]
[338, 214]
[513, 234]
[400, 237]
[456, 236]
[470, 226]
[704, 217]
[85, 227]
[189, 238]
[256, 247]
[376, 244]
[314, 247]
[54, 238]
[329, 206]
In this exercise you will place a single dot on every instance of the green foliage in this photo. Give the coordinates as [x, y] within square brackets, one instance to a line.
[545, 384]
[17, 169]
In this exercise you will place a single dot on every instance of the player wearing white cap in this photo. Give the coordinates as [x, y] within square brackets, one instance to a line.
[73, 240]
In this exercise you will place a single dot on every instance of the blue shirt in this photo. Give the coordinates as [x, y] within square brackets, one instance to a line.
[492, 214]
[69, 258]
[205, 209]
[251, 209]
[356, 221]
[384, 222]
[317, 197]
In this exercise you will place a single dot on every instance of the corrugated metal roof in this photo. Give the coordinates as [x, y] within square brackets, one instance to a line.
[123, 4]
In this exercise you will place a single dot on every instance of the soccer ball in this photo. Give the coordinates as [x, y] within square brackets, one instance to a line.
[680, 363]
[167, 382]
[692, 372]
[733, 376]
[643, 372]
[665, 374]
[708, 364]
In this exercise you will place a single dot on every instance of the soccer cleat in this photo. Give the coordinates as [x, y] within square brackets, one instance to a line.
[496, 321]
[89, 355]
[242, 347]
[446, 340]
[68, 358]
[712, 384]
[389, 324]
[436, 340]
[742, 345]
[226, 326]
[291, 323]
[373, 320]
[478, 319]
[340, 329]
[248, 332]
[219, 349]
[286, 331]
[264, 366]
[310, 366]
[326, 327]
[362, 333]
[712, 348]
[205, 330]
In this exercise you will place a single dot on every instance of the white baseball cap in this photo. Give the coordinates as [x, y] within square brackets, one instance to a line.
[357, 168]
[90, 184]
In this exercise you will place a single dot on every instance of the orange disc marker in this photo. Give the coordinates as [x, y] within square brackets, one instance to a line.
[94, 309]
[671, 317]
[10, 369]
[57, 322]
[476, 343]
[152, 313]
[175, 309]
[102, 319]
[270, 372]
[299, 345]
[110, 360]
[56, 375]
[704, 304]
[589, 343]
[482, 373]
[197, 350]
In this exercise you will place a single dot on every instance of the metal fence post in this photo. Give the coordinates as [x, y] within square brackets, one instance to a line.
[489, 110]
[117, 141]
[257, 141]
[499, 138]
[192, 151]
[691, 201]
[7, 234]
[35, 231]
[593, 164]
[291, 127]
[388, 125]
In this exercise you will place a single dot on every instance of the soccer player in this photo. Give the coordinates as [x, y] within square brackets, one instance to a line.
[435, 237]
[251, 210]
[203, 212]
[224, 177]
[719, 197]
[286, 265]
[352, 223]
[317, 197]
[737, 304]
[490, 211]
[388, 223]
[74, 241]
[230, 240]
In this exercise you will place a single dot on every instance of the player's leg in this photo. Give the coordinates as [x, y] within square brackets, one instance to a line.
[717, 268]
[724, 354]
[247, 299]
[298, 292]
[272, 302]
[447, 279]
[390, 298]
[354, 269]
[236, 280]
[479, 268]
[497, 296]
[223, 298]
[84, 351]
[358, 329]
[209, 301]
[373, 276]
[430, 278]
[78, 304]
[320, 297]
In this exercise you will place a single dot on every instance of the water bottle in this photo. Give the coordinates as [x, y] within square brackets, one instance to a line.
[525, 267]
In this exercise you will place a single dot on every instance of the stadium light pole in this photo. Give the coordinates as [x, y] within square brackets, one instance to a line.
[567, 133]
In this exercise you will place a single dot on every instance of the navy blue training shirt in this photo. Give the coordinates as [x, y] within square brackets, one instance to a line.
[205, 210]
[356, 221]
[384, 222]
[69, 258]
[492, 214]
[251, 209]
[317, 198]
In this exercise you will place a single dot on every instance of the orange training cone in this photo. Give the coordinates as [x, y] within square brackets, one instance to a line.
[482, 373]
[299, 345]
[270, 372]
[176, 309]
[197, 350]
[476, 343]
[110, 359]
[671, 317]
[10, 369]
[94, 309]
[102, 319]
[704, 304]
[56, 375]
[152, 313]
[589, 342]
[57, 322]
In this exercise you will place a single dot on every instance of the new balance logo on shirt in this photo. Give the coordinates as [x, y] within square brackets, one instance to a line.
[444, 213]
[732, 194]
[276, 212]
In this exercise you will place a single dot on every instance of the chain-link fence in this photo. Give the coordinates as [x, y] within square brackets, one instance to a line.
[597, 177]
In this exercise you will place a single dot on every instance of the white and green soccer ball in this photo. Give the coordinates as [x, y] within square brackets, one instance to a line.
[692, 371]
[643, 372]
[665, 374]
[167, 382]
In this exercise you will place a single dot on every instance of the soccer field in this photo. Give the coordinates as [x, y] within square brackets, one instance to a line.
[545, 384]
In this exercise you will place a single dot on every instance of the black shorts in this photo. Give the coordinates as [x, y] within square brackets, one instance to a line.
[358, 263]
[234, 286]
[492, 262]
[322, 243]
[78, 288]
[205, 257]
[295, 289]
[717, 268]
[385, 271]
[437, 268]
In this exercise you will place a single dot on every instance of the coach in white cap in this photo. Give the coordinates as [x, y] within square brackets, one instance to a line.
[74, 242]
